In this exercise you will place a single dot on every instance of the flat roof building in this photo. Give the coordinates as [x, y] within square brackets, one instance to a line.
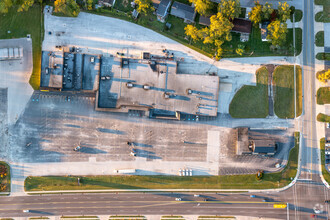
[149, 84]
[154, 84]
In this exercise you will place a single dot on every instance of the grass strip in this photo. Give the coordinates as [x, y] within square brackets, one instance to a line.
[284, 91]
[252, 101]
[323, 56]
[319, 39]
[323, 95]
[298, 14]
[5, 180]
[323, 118]
[325, 173]
[270, 180]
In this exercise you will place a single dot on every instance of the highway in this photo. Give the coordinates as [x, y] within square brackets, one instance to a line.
[154, 204]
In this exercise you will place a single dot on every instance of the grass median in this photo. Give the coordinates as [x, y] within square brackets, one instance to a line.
[20, 24]
[325, 173]
[319, 39]
[323, 117]
[323, 95]
[284, 105]
[252, 101]
[4, 179]
[270, 180]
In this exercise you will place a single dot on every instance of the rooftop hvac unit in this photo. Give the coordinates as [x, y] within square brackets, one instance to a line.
[129, 85]
[146, 87]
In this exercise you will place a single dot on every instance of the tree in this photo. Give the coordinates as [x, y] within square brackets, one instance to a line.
[5, 5]
[90, 4]
[144, 6]
[193, 32]
[230, 8]
[67, 7]
[277, 32]
[201, 6]
[283, 11]
[240, 49]
[25, 5]
[323, 76]
[255, 13]
[267, 10]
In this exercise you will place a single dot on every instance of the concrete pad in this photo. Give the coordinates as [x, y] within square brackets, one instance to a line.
[15, 75]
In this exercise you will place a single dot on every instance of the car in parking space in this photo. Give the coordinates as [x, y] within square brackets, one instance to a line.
[252, 196]
[196, 195]
[178, 199]
[26, 210]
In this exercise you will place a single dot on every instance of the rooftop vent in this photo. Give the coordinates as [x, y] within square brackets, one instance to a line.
[129, 85]
[146, 87]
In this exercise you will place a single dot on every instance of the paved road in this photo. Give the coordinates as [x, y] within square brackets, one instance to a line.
[300, 205]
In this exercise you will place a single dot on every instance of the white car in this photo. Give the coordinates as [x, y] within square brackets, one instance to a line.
[196, 195]
[177, 199]
[26, 210]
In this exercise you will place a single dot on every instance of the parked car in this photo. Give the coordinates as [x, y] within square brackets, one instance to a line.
[252, 196]
[178, 199]
[26, 210]
[196, 195]
[77, 148]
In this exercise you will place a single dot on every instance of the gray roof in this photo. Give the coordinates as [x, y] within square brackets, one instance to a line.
[183, 11]
[164, 4]
[204, 20]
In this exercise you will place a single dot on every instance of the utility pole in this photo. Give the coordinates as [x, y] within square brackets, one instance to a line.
[287, 211]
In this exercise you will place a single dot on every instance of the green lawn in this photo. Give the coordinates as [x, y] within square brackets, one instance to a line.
[323, 56]
[323, 117]
[252, 101]
[325, 173]
[323, 16]
[23, 23]
[284, 91]
[271, 180]
[323, 95]
[123, 5]
[255, 47]
[319, 39]
[5, 180]
[298, 14]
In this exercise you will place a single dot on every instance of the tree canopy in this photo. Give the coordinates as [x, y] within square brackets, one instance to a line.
[5, 5]
[201, 6]
[255, 13]
[267, 10]
[25, 5]
[230, 8]
[277, 32]
[283, 11]
[67, 7]
[144, 6]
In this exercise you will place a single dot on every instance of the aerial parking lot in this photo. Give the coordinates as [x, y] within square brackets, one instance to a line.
[64, 128]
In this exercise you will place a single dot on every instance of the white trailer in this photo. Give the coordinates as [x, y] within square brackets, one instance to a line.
[125, 171]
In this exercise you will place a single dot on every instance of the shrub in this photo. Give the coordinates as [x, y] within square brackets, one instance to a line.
[259, 175]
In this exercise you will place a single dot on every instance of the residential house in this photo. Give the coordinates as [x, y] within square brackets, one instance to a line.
[243, 27]
[107, 3]
[204, 20]
[183, 11]
[161, 9]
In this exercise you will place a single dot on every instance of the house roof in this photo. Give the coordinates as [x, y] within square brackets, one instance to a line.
[264, 146]
[242, 26]
[204, 20]
[163, 5]
[183, 11]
